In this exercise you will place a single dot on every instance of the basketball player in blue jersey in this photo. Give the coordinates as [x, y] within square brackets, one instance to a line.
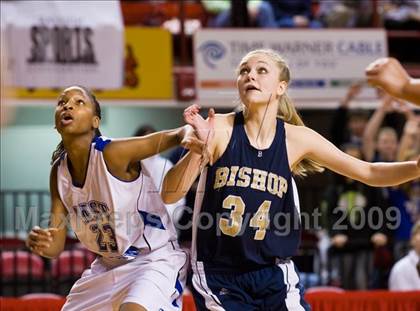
[246, 227]
[115, 211]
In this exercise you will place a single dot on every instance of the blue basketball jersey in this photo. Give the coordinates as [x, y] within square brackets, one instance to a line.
[245, 216]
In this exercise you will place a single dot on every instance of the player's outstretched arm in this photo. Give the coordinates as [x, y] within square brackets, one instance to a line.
[49, 242]
[303, 142]
[126, 151]
[388, 74]
[180, 178]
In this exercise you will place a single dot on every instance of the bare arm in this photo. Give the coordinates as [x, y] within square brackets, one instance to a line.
[180, 178]
[388, 74]
[340, 119]
[121, 153]
[411, 91]
[409, 136]
[306, 143]
[372, 128]
[50, 242]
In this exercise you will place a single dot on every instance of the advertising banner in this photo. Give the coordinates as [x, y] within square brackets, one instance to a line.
[147, 68]
[323, 63]
[58, 43]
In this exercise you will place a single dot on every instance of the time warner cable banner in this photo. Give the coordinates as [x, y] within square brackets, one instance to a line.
[60, 43]
[323, 63]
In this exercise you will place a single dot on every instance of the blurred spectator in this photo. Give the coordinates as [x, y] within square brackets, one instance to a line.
[355, 229]
[405, 198]
[401, 14]
[158, 166]
[405, 274]
[348, 126]
[381, 144]
[410, 140]
[346, 13]
[259, 13]
[294, 14]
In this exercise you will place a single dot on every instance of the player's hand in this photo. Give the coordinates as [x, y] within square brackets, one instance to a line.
[40, 239]
[204, 130]
[379, 239]
[339, 240]
[388, 74]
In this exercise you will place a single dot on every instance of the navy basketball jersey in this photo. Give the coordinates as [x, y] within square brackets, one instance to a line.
[245, 215]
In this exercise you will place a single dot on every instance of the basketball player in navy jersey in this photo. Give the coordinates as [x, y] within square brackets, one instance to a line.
[115, 211]
[246, 226]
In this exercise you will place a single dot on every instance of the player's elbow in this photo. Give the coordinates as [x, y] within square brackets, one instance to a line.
[368, 175]
[374, 176]
[170, 197]
[52, 252]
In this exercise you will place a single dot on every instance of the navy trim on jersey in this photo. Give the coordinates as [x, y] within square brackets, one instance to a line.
[301, 289]
[179, 289]
[132, 251]
[101, 142]
[152, 220]
[147, 242]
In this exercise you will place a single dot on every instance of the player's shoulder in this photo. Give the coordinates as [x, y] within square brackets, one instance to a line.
[297, 131]
[54, 167]
[100, 142]
[224, 119]
[223, 126]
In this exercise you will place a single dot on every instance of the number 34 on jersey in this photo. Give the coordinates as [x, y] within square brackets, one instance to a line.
[232, 226]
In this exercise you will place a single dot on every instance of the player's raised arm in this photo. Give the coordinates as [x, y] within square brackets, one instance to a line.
[49, 242]
[179, 178]
[306, 143]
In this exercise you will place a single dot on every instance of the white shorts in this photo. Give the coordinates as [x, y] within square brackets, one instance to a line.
[154, 280]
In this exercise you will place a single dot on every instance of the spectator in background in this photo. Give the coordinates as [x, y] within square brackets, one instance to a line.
[294, 14]
[258, 12]
[406, 197]
[354, 230]
[405, 274]
[387, 148]
[348, 126]
[158, 166]
[380, 144]
[401, 14]
[345, 13]
[410, 139]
